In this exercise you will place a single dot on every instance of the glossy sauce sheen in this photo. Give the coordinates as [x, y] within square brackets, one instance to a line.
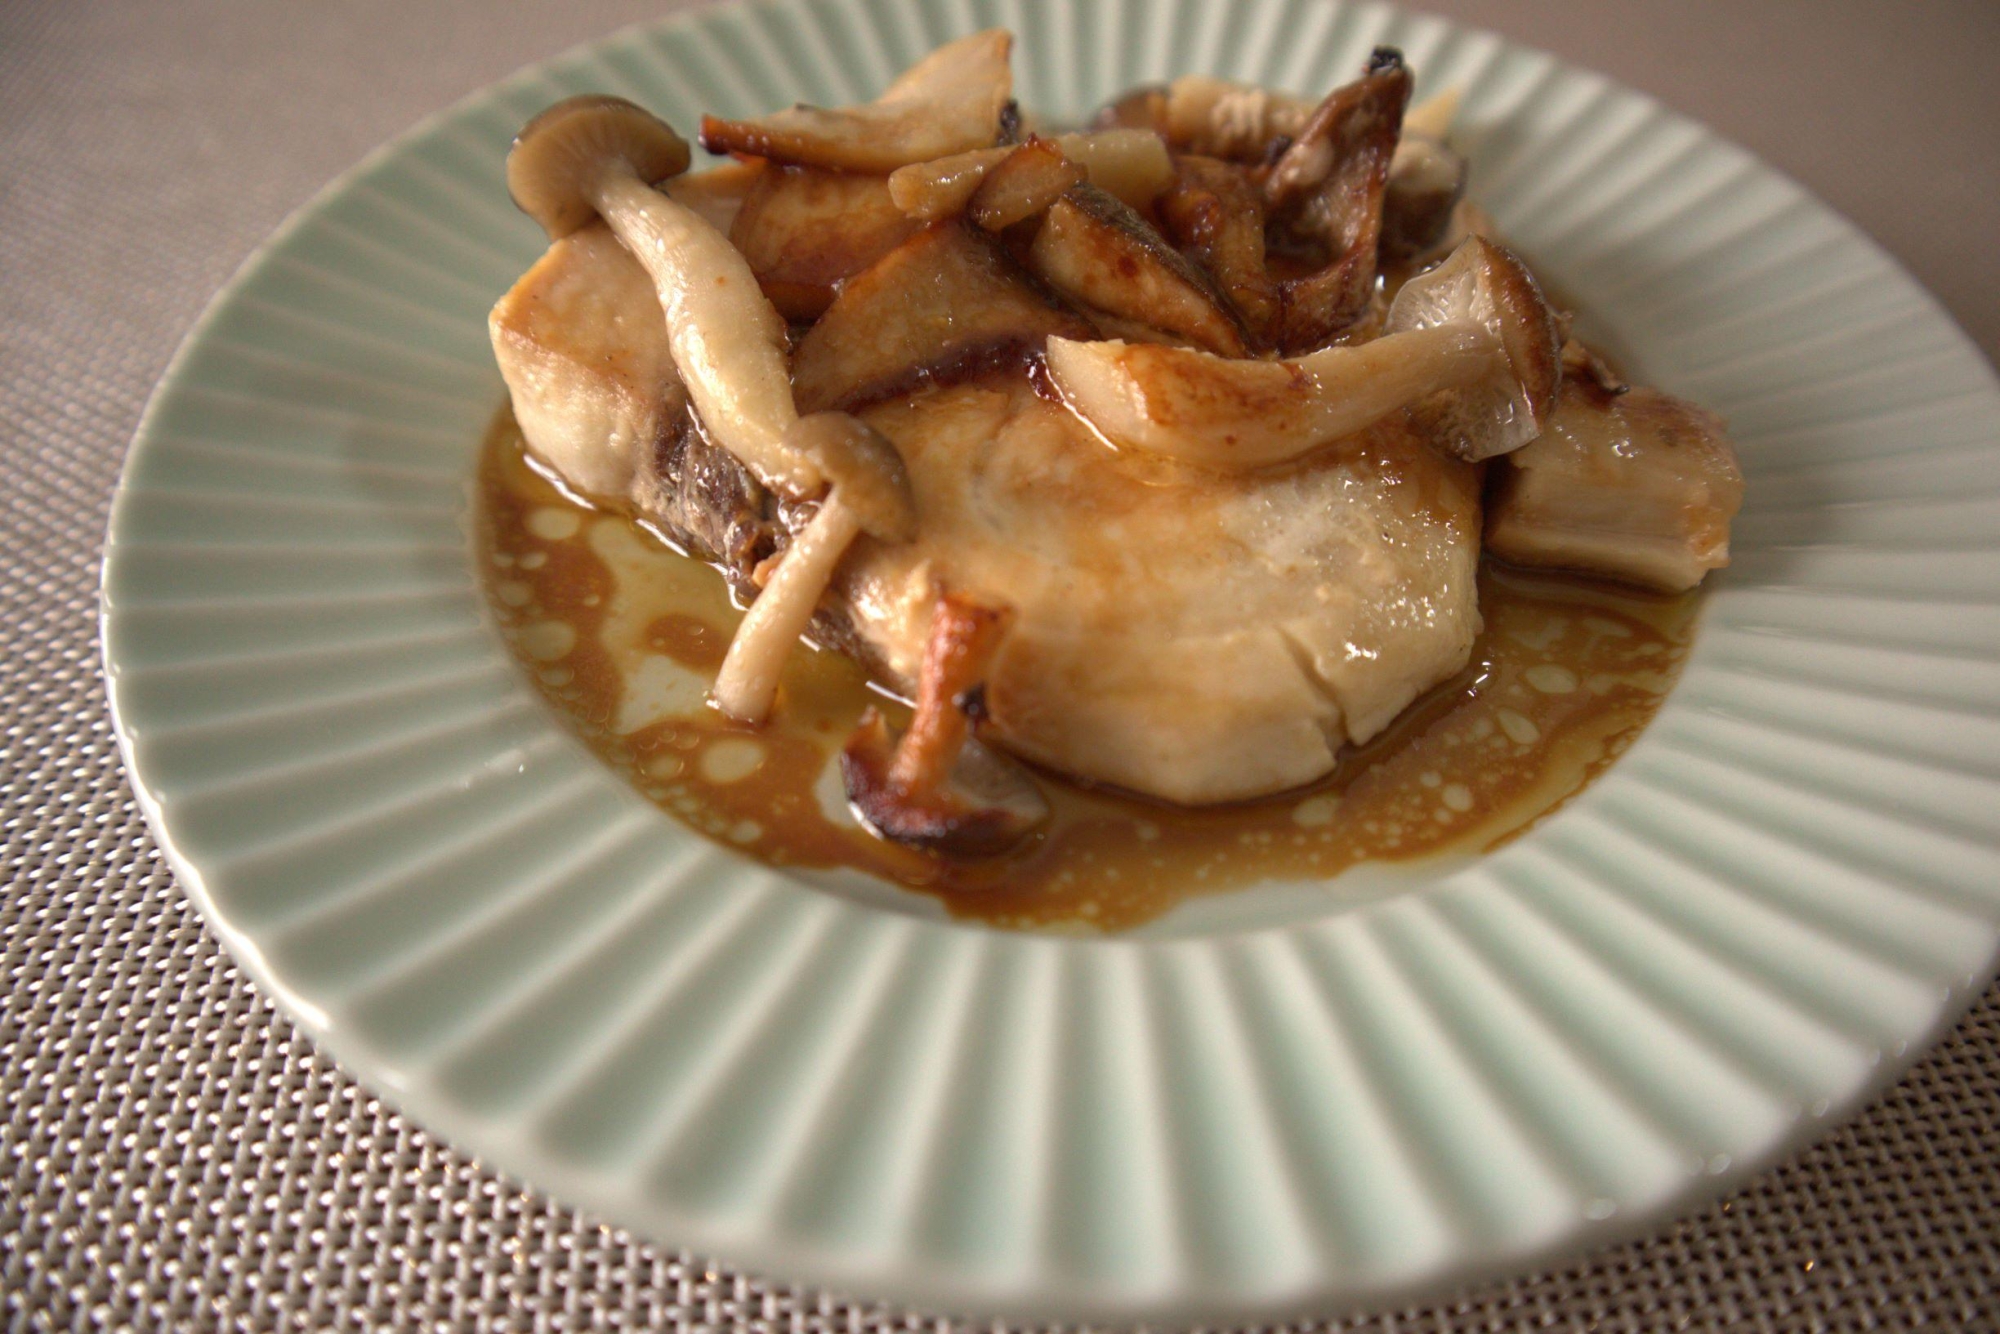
[622, 634]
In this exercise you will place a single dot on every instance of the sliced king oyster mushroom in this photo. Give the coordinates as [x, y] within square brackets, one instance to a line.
[1131, 164]
[805, 230]
[1327, 187]
[946, 303]
[1216, 214]
[951, 101]
[1023, 185]
[1103, 255]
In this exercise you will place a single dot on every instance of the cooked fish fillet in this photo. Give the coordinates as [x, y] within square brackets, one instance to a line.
[1193, 637]
[583, 348]
[1640, 487]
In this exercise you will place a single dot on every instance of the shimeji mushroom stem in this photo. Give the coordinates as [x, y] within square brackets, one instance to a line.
[1365, 383]
[727, 341]
[748, 681]
[1471, 350]
[1232, 413]
[599, 156]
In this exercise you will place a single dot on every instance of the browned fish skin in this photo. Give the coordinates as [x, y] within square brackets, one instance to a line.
[702, 499]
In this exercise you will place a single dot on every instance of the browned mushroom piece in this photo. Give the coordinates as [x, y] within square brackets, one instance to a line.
[1470, 353]
[805, 230]
[1239, 122]
[1640, 487]
[936, 787]
[1023, 184]
[1426, 181]
[1131, 164]
[869, 493]
[1102, 255]
[1143, 108]
[1501, 402]
[1326, 190]
[1215, 213]
[946, 303]
[952, 100]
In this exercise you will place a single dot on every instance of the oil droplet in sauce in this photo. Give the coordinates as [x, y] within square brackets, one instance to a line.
[623, 636]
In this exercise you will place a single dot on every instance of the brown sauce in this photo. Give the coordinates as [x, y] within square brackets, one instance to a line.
[622, 635]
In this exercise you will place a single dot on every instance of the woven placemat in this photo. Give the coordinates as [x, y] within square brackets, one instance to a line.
[174, 1154]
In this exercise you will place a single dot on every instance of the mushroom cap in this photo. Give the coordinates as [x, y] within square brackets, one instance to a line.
[1486, 285]
[559, 157]
[864, 469]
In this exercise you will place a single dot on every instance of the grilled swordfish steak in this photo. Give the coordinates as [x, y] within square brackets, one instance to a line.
[1190, 635]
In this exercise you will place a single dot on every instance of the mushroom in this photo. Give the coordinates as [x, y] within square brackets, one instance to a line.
[1470, 349]
[1512, 388]
[936, 787]
[1326, 188]
[870, 493]
[1104, 256]
[1426, 181]
[1141, 108]
[1238, 121]
[953, 100]
[1424, 209]
[947, 303]
[592, 156]
[1243, 122]
[1025, 184]
[1131, 164]
[1215, 213]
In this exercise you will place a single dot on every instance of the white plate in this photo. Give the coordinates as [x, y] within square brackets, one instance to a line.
[1741, 931]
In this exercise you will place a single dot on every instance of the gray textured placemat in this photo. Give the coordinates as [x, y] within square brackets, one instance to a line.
[176, 1156]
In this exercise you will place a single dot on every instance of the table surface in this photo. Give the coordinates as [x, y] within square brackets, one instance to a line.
[175, 1155]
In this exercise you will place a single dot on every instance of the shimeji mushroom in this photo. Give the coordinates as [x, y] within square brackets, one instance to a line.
[1470, 348]
[870, 494]
[591, 157]
[597, 157]
[936, 786]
